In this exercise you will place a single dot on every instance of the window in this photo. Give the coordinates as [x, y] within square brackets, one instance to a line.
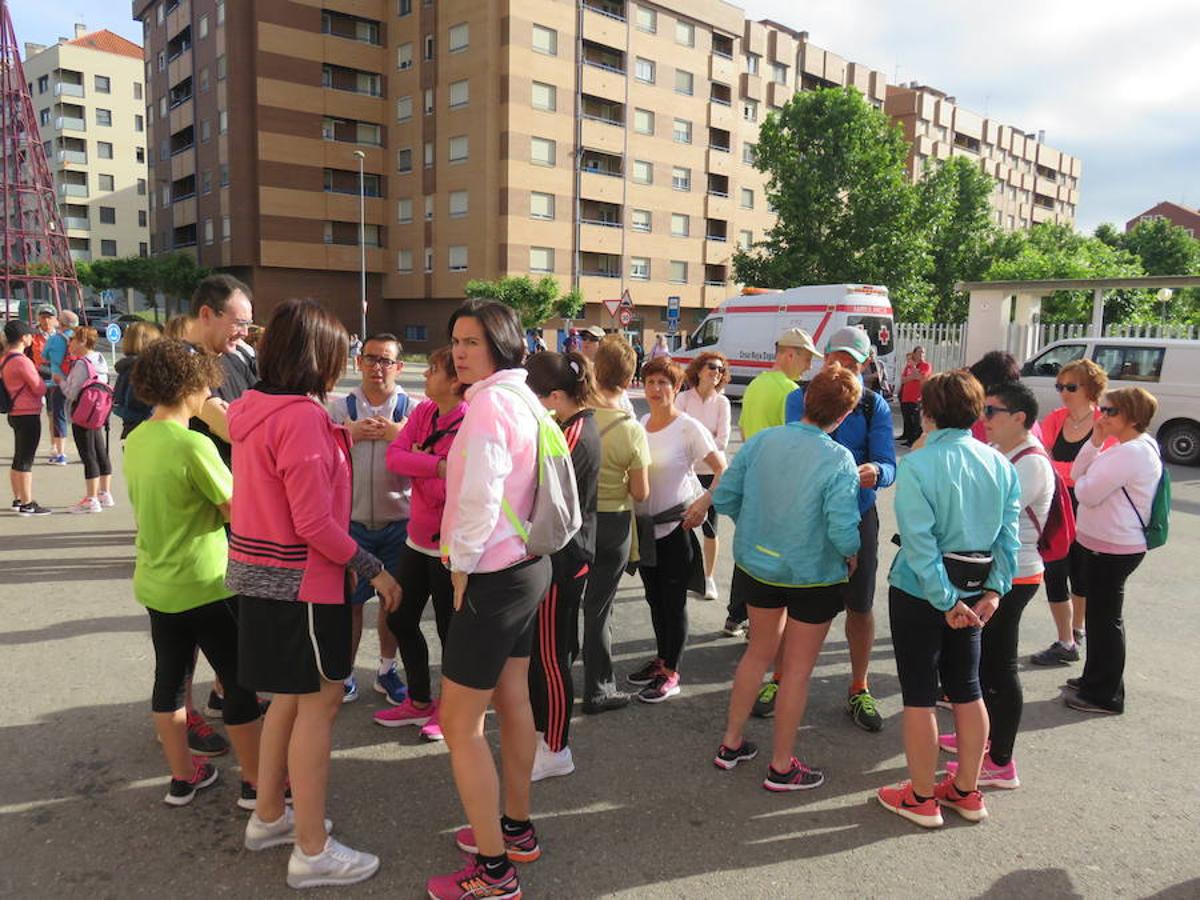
[684, 82]
[639, 268]
[103, 85]
[1054, 359]
[203, 27]
[430, 44]
[545, 40]
[44, 116]
[104, 117]
[647, 19]
[404, 56]
[208, 231]
[204, 80]
[106, 182]
[137, 90]
[685, 33]
[681, 225]
[224, 171]
[460, 39]
[404, 261]
[226, 225]
[1131, 363]
[416, 332]
[428, 207]
[108, 215]
[745, 240]
[404, 210]
[681, 178]
[545, 97]
[682, 132]
[752, 63]
[221, 68]
[162, 60]
[104, 150]
[747, 198]
[429, 101]
[220, 12]
[222, 122]
[139, 123]
[206, 182]
[141, 187]
[428, 259]
[678, 272]
[643, 70]
[457, 258]
[459, 148]
[43, 84]
[205, 131]
[643, 121]
[750, 110]
[142, 218]
[779, 73]
[639, 220]
[748, 151]
[162, 107]
[404, 109]
[541, 206]
[707, 336]
[460, 204]
[460, 93]
[541, 152]
[404, 160]
[404, 7]
[108, 248]
[541, 259]
[643, 172]
[428, 154]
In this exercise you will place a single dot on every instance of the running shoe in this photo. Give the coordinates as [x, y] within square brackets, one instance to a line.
[1074, 684]
[215, 706]
[86, 506]
[710, 588]
[860, 707]
[32, 508]
[901, 800]
[992, 775]
[202, 740]
[406, 713]
[521, 848]
[183, 790]
[663, 687]
[432, 731]
[798, 777]
[969, 805]
[943, 702]
[764, 704]
[1076, 702]
[1078, 635]
[549, 763]
[733, 628]
[1057, 654]
[646, 673]
[249, 795]
[350, 690]
[58, 460]
[949, 743]
[607, 703]
[262, 835]
[391, 685]
[106, 499]
[336, 864]
[474, 883]
[727, 759]
[16, 504]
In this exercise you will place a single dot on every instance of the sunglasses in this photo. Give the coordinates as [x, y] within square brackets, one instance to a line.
[1111, 411]
[1069, 388]
[715, 367]
[381, 361]
[989, 411]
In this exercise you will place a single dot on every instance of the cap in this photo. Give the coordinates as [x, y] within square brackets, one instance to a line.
[592, 332]
[798, 338]
[47, 311]
[15, 329]
[850, 340]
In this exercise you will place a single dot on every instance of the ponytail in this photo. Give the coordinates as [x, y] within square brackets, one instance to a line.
[570, 373]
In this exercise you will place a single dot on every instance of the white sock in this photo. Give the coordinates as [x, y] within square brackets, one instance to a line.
[386, 665]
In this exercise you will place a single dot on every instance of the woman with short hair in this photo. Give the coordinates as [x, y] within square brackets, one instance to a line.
[131, 410]
[85, 364]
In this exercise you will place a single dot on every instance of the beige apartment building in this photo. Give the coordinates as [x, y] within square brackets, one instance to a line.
[90, 106]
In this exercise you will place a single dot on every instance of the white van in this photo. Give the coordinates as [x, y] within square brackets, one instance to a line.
[1169, 369]
[744, 328]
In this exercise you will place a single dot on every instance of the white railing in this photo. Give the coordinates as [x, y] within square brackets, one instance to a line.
[944, 344]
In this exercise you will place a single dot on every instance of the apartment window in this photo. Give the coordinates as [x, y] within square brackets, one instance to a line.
[750, 110]
[745, 240]
[224, 172]
[104, 150]
[142, 218]
[430, 44]
[225, 227]
[460, 93]
[682, 131]
[460, 39]
[779, 73]
[108, 215]
[541, 152]
[404, 210]
[460, 204]
[748, 153]
[43, 84]
[685, 33]
[108, 248]
[747, 198]
[643, 70]
[141, 187]
[404, 109]
[681, 225]
[221, 68]
[103, 85]
[204, 80]
[647, 19]
[208, 231]
[541, 206]
[545, 40]
[220, 12]
[162, 60]
[104, 117]
[139, 123]
[428, 154]
[643, 172]
[684, 82]
[203, 27]
[639, 268]
[164, 196]
[681, 178]
[678, 272]
[545, 97]
[429, 207]
[752, 63]
[459, 148]
[541, 259]
[428, 259]
[457, 257]
[205, 131]
[404, 56]
[404, 160]
[206, 182]
[639, 220]
[162, 107]
[137, 90]
[643, 121]
[404, 7]
[404, 261]
[416, 332]
[106, 183]
[222, 122]
[44, 117]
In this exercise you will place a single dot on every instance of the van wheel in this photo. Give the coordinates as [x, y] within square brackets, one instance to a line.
[1181, 443]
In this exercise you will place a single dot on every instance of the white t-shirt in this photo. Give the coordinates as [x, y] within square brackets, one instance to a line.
[1036, 477]
[713, 413]
[674, 451]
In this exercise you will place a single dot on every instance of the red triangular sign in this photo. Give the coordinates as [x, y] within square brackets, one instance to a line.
[626, 300]
[612, 306]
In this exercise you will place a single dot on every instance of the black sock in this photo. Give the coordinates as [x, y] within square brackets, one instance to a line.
[495, 866]
[919, 798]
[512, 827]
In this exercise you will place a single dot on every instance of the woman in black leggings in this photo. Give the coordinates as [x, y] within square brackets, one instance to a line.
[25, 389]
[91, 443]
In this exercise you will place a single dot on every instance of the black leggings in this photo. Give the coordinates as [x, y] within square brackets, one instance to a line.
[213, 628]
[92, 446]
[1067, 576]
[27, 433]
[1103, 679]
[910, 414]
[555, 646]
[666, 587]
[709, 525]
[926, 647]
[613, 531]
[998, 670]
[421, 577]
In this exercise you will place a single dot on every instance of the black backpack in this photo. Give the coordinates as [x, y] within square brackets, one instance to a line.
[6, 399]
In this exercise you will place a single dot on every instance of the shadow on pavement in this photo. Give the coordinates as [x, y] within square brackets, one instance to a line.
[61, 631]
[68, 568]
[54, 542]
[1033, 883]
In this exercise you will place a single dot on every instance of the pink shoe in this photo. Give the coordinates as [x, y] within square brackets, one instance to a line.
[992, 775]
[970, 806]
[949, 743]
[474, 882]
[431, 730]
[406, 713]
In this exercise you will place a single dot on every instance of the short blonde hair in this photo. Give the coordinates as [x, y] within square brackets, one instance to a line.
[139, 336]
[615, 363]
[1091, 377]
[1137, 405]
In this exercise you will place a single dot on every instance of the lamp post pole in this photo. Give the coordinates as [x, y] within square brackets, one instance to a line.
[362, 243]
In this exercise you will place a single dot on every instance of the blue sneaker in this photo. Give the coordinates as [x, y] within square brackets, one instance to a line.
[58, 460]
[391, 686]
[350, 686]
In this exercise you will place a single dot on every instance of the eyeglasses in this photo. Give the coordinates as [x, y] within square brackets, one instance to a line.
[989, 411]
[1069, 388]
[381, 361]
[714, 367]
[1111, 411]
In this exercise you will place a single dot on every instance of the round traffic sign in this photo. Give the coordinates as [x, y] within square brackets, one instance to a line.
[113, 332]
[625, 316]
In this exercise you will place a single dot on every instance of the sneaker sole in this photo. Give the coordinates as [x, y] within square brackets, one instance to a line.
[971, 815]
[184, 801]
[308, 881]
[433, 738]
[777, 788]
[728, 764]
[33, 515]
[639, 680]
[514, 855]
[552, 773]
[211, 754]
[510, 895]
[350, 698]
[400, 723]
[382, 690]
[915, 818]
[1051, 663]
[1003, 784]
[659, 699]
[952, 749]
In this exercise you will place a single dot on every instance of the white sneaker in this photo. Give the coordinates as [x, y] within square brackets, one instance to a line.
[336, 864]
[548, 764]
[85, 506]
[106, 499]
[260, 835]
[710, 588]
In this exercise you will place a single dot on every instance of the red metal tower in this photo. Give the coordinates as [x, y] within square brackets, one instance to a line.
[37, 266]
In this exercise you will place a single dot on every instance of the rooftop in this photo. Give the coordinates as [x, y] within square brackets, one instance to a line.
[107, 42]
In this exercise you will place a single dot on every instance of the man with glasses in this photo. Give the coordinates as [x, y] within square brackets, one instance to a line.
[222, 315]
[374, 412]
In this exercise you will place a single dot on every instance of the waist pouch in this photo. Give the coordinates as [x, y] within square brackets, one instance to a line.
[968, 569]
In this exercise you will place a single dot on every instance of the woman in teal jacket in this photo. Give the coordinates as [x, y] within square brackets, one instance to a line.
[955, 498]
[793, 493]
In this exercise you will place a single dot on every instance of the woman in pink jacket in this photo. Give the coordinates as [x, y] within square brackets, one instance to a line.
[497, 588]
[290, 555]
[419, 452]
[25, 390]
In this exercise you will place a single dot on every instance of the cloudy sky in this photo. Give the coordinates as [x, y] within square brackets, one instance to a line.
[1112, 82]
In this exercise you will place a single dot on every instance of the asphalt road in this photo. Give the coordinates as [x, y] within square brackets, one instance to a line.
[1108, 807]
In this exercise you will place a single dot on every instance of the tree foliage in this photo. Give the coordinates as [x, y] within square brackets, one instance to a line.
[535, 301]
[174, 275]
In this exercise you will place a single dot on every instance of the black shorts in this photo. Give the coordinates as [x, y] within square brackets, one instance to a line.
[928, 650]
[811, 605]
[1067, 576]
[291, 647]
[27, 433]
[495, 623]
[709, 526]
[858, 594]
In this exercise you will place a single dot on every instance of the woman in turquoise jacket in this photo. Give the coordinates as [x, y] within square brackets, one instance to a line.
[793, 493]
[957, 505]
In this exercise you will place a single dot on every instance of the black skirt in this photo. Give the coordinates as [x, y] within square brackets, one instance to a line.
[291, 647]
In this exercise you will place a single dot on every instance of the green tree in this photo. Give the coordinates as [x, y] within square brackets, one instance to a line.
[177, 276]
[1107, 233]
[534, 301]
[1163, 247]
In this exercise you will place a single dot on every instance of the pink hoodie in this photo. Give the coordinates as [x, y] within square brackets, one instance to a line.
[428, 490]
[25, 386]
[291, 493]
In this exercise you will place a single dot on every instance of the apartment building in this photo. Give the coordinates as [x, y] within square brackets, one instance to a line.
[1175, 213]
[1034, 182]
[89, 101]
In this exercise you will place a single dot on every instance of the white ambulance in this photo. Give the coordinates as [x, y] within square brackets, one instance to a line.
[745, 327]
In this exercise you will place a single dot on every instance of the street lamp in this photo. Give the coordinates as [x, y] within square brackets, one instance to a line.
[1164, 297]
[362, 242]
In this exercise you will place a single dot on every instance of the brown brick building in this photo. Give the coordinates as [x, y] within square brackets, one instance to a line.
[1172, 212]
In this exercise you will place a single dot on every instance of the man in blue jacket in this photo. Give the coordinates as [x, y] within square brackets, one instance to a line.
[867, 434]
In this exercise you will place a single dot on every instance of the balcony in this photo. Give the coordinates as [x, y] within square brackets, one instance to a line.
[597, 109]
[70, 123]
[352, 28]
[184, 236]
[600, 265]
[717, 252]
[597, 163]
[602, 136]
[181, 93]
[75, 223]
[720, 162]
[715, 275]
[604, 22]
[719, 140]
[720, 94]
[183, 140]
[721, 68]
[68, 89]
[751, 86]
[600, 240]
[593, 212]
[81, 255]
[183, 188]
[67, 189]
[602, 57]
[72, 156]
[354, 81]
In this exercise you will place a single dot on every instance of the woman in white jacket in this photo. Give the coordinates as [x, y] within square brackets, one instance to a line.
[1115, 489]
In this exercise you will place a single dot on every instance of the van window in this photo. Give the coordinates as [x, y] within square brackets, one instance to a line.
[1130, 363]
[878, 328]
[706, 335]
[1053, 359]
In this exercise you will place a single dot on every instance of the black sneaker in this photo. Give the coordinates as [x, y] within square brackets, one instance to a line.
[798, 777]
[32, 508]
[1078, 635]
[249, 796]
[733, 628]
[16, 504]
[215, 708]
[182, 792]
[646, 673]
[727, 758]
[861, 708]
[607, 703]
[1056, 655]
[202, 740]
[764, 703]
[1074, 684]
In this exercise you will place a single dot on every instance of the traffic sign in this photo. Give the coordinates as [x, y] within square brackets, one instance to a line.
[626, 300]
[626, 316]
[673, 326]
[673, 309]
[612, 306]
[113, 332]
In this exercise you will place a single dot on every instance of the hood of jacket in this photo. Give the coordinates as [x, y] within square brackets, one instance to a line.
[255, 406]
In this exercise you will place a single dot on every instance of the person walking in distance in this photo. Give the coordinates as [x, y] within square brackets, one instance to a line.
[55, 354]
[23, 390]
[86, 366]
[915, 373]
[374, 413]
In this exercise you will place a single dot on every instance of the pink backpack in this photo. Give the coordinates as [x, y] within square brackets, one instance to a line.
[95, 401]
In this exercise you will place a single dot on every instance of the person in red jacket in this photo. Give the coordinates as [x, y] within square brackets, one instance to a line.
[25, 390]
